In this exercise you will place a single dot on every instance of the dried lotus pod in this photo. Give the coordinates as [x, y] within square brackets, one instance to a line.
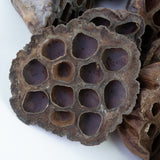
[76, 80]
[154, 53]
[119, 21]
[140, 131]
[150, 11]
[149, 76]
[38, 14]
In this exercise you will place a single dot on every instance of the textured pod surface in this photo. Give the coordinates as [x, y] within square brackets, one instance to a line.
[42, 13]
[76, 80]
[140, 130]
[119, 21]
[153, 54]
[150, 11]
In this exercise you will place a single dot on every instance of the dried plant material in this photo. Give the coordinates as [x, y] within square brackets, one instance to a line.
[38, 14]
[154, 53]
[76, 80]
[150, 11]
[150, 76]
[140, 131]
[119, 21]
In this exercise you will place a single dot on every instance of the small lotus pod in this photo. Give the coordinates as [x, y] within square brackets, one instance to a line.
[76, 80]
[140, 131]
[150, 11]
[154, 53]
[38, 14]
[119, 21]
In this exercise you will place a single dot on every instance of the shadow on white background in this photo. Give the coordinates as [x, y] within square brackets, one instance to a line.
[21, 142]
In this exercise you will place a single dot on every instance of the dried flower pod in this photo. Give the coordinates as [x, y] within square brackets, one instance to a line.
[150, 11]
[119, 21]
[150, 76]
[42, 13]
[140, 131]
[154, 53]
[76, 80]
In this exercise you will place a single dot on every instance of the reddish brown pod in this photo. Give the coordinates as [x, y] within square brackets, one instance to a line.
[119, 21]
[43, 13]
[140, 131]
[76, 80]
[153, 54]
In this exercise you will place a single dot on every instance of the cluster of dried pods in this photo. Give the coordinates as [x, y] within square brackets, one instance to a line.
[82, 79]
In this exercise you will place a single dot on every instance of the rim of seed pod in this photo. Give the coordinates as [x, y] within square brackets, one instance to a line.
[120, 21]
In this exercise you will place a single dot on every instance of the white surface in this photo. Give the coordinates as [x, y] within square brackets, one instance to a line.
[21, 142]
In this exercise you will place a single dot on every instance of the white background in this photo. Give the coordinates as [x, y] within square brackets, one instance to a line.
[21, 142]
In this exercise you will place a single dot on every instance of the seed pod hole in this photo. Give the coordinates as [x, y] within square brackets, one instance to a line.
[98, 21]
[84, 46]
[147, 36]
[35, 102]
[146, 42]
[89, 123]
[66, 12]
[115, 59]
[127, 28]
[156, 18]
[62, 118]
[64, 71]
[114, 94]
[155, 109]
[34, 72]
[62, 96]
[88, 98]
[155, 145]
[150, 4]
[55, 23]
[73, 15]
[79, 2]
[152, 130]
[91, 73]
[53, 49]
[158, 35]
[89, 4]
